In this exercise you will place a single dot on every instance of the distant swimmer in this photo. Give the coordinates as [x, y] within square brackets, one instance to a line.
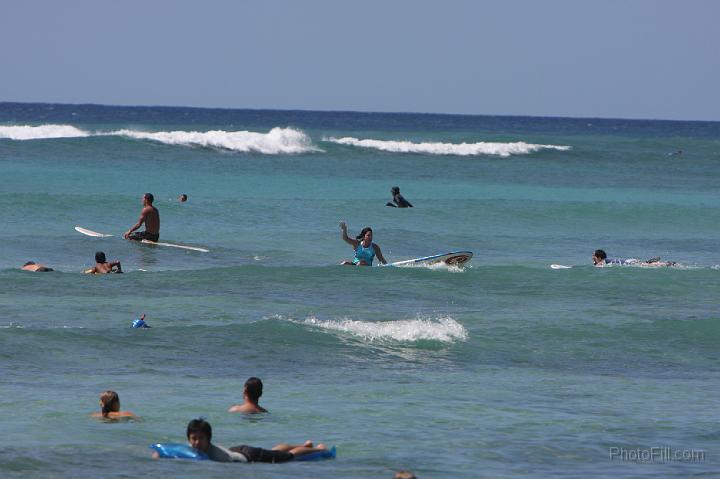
[365, 249]
[600, 259]
[103, 266]
[140, 323]
[676, 153]
[110, 407]
[36, 267]
[398, 199]
[150, 217]
[199, 436]
[183, 198]
[251, 396]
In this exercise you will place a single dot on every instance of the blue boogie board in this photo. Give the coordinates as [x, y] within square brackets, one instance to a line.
[316, 456]
[178, 451]
[457, 258]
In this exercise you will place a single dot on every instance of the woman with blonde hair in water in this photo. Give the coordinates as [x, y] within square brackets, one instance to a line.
[110, 407]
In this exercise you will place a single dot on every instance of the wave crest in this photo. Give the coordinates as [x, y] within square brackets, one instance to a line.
[444, 329]
[437, 148]
[27, 132]
[276, 141]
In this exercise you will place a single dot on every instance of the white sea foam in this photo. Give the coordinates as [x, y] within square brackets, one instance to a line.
[444, 329]
[41, 132]
[436, 148]
[276, 141]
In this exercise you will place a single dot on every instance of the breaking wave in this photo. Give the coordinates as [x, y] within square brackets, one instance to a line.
[444, 329]
[436, 148]
[27, 132]
[276, 141]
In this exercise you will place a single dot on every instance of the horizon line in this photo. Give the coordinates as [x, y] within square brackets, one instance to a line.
[364, 112]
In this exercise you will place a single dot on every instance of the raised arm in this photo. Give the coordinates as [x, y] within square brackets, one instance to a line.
[351, 241]
[379, 254]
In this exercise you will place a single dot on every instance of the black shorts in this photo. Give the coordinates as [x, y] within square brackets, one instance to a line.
[258, 454]
[144, 235]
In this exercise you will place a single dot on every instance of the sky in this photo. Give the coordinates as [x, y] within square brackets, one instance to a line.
[655, 59]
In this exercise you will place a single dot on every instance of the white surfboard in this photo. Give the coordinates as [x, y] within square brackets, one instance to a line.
[95, 234]
[456, 258]
[560, 266]
[92, 233]
[173, 245]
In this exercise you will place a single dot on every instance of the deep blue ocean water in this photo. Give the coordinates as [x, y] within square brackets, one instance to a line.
[507, 368]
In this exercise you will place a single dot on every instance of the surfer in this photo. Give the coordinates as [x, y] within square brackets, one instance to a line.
[151, 217]
[398, 199]
[600, 259]
[251, 396]
[110, 407]
[102, 266]
[365, 249]
[35, 267]
[199, 436]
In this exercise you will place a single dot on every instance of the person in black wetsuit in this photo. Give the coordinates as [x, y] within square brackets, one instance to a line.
[398, 199]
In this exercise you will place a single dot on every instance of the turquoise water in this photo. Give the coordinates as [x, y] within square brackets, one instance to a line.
[505, 369]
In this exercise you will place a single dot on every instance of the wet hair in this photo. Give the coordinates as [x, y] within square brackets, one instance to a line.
[29, 263]
[395, 190]
[100, 257]
[253, 388]
[108, 400]
[362, 233]
[183, 197]
[199, 425]
[600, 254]
[149, 197]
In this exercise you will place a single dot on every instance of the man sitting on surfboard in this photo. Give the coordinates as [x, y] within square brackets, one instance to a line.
[151, 217]
[365, 249]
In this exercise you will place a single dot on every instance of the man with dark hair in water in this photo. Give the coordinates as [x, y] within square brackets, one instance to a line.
[398, 199]
[199, 436]
[151, 217]
[36, 267]
[251, 396]
[102, 266]
[600, 259]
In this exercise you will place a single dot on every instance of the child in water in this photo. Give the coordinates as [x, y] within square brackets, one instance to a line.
[110, 407]
[199, 436]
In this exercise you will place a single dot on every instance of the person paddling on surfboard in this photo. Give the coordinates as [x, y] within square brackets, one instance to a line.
[103, 266]
[365, 249]
[600, 259]
[398, 199]
[151, 217]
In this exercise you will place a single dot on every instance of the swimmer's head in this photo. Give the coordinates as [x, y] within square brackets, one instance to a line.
[199, 434]
[29, 263]
[183, 198]
[395, 190]
[253, 389]
[598, 256]
[148, 198]
[364, 233]
[100, 257]
[405, 475]
[109, 402]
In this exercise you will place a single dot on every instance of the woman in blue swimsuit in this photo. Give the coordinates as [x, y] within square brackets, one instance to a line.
[365, 249]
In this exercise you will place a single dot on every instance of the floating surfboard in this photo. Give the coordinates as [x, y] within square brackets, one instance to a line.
[457, 258]
[92, 233]
[95, 234]
[560, 266]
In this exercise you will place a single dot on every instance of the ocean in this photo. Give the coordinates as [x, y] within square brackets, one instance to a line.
[506, 368]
